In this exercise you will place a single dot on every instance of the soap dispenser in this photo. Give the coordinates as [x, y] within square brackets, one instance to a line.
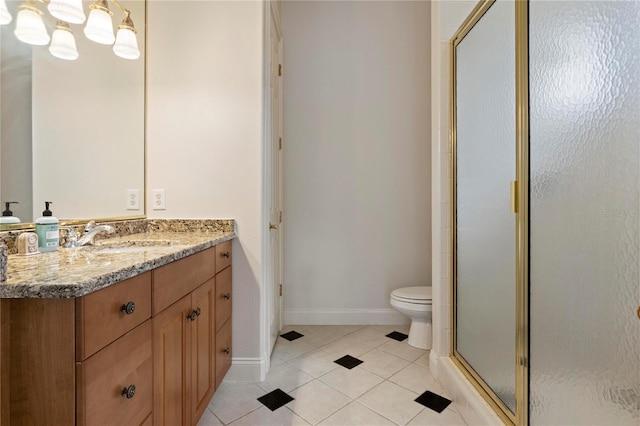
[47, 230]
[7, 214]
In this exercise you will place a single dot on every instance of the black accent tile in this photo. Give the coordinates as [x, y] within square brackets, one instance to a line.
[433, 401]
[348, 361]
[275, 399]
[292, 335]
[396, 335]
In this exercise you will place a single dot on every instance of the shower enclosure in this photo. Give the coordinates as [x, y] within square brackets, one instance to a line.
[546, 191]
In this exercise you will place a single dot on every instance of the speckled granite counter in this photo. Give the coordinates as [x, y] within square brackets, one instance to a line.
[76, 272]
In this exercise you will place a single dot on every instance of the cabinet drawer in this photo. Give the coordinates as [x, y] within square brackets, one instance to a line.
[223, 255]
[107, 314]
[223, 297]
[102, 379]
[223, 352]
[173, 281]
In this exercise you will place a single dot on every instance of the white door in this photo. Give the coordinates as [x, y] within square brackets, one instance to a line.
[275, 199]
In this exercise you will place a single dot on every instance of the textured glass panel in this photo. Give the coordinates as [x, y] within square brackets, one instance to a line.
[584, 240]
[485, 85]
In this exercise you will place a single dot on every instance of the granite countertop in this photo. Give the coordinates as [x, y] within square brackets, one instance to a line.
[75, 272]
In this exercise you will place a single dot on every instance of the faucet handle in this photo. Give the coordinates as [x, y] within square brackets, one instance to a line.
[89, 225]
[72, 237]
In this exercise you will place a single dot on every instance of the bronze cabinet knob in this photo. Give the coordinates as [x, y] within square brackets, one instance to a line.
[227, 296]
[227, 350]
[129, 392]
[226, 254]
[129, 308]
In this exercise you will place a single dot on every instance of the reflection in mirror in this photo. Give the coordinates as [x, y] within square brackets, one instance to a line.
[72, 131]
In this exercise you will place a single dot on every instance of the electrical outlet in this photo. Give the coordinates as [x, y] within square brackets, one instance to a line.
[133, 199]
[159, 199]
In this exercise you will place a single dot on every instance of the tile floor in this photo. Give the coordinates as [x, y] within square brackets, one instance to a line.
[380, 391]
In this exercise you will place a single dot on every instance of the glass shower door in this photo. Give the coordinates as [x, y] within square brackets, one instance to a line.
[484, 227]
[584, 212]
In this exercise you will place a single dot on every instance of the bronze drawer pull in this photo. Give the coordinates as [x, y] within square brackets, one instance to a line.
[129, 392]
[227, 350]
[198, 312]
[227, 296]
[226, 254]
[192, 316]
[128, 308]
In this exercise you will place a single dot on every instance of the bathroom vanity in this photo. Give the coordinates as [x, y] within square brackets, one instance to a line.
[135, 330]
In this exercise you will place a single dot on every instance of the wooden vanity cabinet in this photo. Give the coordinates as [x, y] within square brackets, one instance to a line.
[150, 350]
[186, 355]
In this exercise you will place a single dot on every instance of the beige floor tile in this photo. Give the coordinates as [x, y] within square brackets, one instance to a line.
[235, 400]
[402, 350]
[428, 417]
[275, 361]
[402, 328]
[381, 363]
[417, 379]
[355, 414]
[353, 383]
[286, 350]
[266, 417]
[316, 401]
[284, 376]
[346, 346]
[393, 402]
[423, 360]
[316, 363]
[208, 419]
[371, 336]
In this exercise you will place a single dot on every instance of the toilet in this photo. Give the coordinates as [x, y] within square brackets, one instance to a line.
[415, 302]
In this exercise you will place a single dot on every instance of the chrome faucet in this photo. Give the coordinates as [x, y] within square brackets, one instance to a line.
[90, 232]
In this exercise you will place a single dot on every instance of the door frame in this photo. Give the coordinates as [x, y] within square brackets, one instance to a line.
[271, 8]
[520, 200]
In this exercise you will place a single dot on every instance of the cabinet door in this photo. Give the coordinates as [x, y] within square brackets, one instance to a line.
[171, 365]
[202, 345]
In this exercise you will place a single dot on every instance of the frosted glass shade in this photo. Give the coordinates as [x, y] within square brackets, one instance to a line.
[67, 10]
[126, 44]
[30, 28]
[99, 27]
[63, 45]
[5, 16]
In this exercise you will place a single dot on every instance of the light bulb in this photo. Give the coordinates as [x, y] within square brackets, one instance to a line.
[5, 16]
[99, 27]
[126, 42]
[67, 10]
[63, 44]
[29, 26]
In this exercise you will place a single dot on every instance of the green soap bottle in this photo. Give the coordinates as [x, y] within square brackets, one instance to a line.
[47, 230]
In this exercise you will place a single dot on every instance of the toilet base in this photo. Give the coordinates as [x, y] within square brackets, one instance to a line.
[420, 334]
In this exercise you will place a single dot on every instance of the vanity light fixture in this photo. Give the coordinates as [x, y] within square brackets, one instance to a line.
[63, 45]
[99, 28]
[5, 16]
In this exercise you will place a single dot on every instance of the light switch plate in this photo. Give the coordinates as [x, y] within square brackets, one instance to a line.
[159, 199]
[133, 199]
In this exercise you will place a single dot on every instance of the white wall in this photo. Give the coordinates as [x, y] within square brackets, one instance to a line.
[357, 157]
[204, 135]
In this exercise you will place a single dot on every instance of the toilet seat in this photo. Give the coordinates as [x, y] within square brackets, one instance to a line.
[417, 295]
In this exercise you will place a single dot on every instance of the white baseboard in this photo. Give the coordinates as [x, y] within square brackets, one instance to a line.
[246, 370]
[471, 406]
[344, 317]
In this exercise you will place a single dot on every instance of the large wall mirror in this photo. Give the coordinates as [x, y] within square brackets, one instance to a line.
[72, 131]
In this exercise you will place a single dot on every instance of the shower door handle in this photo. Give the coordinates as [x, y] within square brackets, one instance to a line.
[514, 196]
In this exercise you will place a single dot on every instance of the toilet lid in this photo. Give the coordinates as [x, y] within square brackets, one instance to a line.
[413, 293]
